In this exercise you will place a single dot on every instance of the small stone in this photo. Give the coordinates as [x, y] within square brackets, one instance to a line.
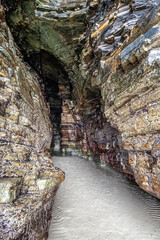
[9, 189]
[46, 183]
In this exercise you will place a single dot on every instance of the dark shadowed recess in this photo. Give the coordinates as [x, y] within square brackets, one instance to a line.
[52, 76]
[9, 4]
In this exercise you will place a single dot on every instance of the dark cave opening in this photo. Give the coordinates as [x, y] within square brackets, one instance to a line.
[55, 87]
[78, 128]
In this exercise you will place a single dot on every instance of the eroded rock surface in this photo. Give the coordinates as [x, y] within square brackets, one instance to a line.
[25, 138]
[99, 63]
[110, 50]
[118, 76]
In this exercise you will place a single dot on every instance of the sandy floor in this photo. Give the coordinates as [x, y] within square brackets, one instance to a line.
[100, 204]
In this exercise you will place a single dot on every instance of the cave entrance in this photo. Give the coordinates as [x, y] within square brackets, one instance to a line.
[56, 87]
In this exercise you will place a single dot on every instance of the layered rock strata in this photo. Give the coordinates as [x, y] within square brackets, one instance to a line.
[121, 59]
[28, 179]
[93, 138]
[129, 82]
[111, 52]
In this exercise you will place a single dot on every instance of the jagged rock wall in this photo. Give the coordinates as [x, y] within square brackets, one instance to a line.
[120, 58]
[128, 44]
[110, 50]
[93, 138]
[28, 179]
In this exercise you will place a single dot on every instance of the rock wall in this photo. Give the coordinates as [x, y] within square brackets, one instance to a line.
[93, 138]
[28, 179]
[120, 58]
[127, 44]
[111, 52]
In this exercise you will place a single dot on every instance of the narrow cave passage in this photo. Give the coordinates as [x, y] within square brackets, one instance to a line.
[97, 203]
[93, 203]
[56, 89]
[96, 96]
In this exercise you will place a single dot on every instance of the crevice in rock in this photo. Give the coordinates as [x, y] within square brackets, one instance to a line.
[55, 87]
